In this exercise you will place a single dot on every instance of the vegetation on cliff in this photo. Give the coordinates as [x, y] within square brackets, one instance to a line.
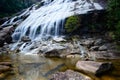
[114, 17]
[8, 7]
[72, 23]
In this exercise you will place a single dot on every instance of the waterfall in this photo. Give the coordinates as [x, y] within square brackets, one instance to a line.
[48, 20]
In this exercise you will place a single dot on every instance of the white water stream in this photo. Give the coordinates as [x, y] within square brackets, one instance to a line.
[48, 20]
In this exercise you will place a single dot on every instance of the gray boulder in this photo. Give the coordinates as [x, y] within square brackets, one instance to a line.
[52, 53]
[105, 54]
[103, 48]
[98, 42]
[88, 42]
[96, 68]
[94, 48]
[69, 75]
[5, 35]
[25, 39]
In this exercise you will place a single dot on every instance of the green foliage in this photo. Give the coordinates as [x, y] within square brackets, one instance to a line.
[117, 32]
[72, 23]
[113, 12]
[114, 16]
[11, 6]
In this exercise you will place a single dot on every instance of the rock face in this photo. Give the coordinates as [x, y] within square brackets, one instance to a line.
[5, 35]
[96, 68]
[69, 75]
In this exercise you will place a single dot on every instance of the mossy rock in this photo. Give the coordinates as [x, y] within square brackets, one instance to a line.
[72, 23]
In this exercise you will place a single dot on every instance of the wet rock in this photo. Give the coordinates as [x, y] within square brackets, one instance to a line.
[5, 49]
[6, 25]
[59, 39]
[3, 20]
[88, 43]
[105, 54]
[4, 68]
[8, 39]
[52, 53]
[98, 42]
[75, 56]
[96, 68]
[25, 39]
[6, 63]
[94, 48]
[62, 49]
[111, 46]
[7, 30]
[1, 42]
[5, 35]
[103, 48]
[69, 75]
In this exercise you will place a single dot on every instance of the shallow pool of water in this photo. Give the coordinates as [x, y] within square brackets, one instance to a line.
[35, 67]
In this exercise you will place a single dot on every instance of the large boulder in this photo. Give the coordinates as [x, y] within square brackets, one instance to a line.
[57, 51]
[52, 53]
[88, 42]
[69, 75]
[96, 68]
[5, 35]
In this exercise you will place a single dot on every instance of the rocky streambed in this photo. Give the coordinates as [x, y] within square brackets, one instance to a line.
[35, 67]
[99, 62]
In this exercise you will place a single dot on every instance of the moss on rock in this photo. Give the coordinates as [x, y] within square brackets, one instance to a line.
[72, 23]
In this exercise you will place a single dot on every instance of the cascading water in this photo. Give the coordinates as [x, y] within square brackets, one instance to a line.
[48, 20]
